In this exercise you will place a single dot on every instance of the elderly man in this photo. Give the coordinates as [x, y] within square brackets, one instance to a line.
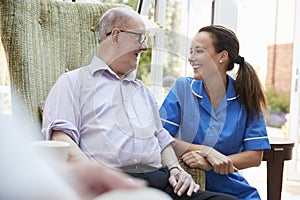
[108, 116]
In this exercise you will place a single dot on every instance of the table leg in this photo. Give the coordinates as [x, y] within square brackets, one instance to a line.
[274, 178]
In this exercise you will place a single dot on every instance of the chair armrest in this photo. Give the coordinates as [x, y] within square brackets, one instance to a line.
[197, 174]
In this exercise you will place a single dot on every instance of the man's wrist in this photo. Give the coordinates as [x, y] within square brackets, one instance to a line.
[175, 168]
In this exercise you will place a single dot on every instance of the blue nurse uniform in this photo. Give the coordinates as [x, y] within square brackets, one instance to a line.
[187, 114]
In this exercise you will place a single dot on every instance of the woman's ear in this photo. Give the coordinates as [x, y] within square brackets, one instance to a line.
[223, 56]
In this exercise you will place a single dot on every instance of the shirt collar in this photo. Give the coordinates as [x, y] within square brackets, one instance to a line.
[198, 88]
[97, 65]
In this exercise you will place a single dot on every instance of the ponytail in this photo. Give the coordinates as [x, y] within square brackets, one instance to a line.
[247, 83]
[249, 88]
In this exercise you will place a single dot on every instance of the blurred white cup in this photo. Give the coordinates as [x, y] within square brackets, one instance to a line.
[51, 150]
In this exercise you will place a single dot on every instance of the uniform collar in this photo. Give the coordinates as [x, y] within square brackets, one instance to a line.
[198, 89]
[97, 65]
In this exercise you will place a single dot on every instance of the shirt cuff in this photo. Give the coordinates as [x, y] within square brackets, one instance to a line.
[65, 126]
[164, 138]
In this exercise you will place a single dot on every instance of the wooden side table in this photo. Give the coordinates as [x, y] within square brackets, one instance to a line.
[281, 150]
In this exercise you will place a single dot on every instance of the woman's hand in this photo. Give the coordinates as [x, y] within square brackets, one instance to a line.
[221, 164]
[195, 160]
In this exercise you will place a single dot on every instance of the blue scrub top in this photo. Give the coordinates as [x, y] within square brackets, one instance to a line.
[187, 114]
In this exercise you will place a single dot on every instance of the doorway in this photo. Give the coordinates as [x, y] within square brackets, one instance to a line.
[294, 130]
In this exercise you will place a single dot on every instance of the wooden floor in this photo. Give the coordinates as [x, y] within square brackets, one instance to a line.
[257, 177]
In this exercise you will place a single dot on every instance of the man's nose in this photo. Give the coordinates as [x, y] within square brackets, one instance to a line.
[144, 46]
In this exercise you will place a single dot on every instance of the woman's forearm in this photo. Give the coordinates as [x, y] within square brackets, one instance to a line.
[247, 159]
[240, 160]
[183, 147]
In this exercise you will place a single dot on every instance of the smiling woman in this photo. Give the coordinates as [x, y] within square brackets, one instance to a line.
[215, 128]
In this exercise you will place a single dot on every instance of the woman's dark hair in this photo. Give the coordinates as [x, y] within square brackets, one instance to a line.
[247, 83]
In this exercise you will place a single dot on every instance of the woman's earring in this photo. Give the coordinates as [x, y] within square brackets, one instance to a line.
[220, 61]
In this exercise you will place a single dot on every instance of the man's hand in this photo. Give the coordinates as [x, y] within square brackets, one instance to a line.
[195, 160]
[181, 181]
[91, 179]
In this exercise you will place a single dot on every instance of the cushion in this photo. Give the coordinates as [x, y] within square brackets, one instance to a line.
[197, 174]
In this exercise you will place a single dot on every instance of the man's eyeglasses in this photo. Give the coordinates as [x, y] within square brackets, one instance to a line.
[141, 40]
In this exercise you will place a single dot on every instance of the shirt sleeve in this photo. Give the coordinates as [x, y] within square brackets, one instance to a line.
[164, 138]
[256, 137]
[61, 109]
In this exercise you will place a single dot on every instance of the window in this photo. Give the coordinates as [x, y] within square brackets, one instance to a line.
[170, 47]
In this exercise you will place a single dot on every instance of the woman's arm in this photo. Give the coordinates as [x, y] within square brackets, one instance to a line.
[183, 147]
[220, 163]
[246, 159]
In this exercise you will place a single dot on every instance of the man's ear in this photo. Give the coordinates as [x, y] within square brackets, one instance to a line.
[115, 36]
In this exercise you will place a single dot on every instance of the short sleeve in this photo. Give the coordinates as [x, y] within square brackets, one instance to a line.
[256, 137]
[170, 113]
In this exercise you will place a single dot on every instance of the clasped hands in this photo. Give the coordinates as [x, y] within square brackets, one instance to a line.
[181, 181]
[209, 159]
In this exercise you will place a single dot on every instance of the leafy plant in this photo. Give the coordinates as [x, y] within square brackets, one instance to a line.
[277, 101]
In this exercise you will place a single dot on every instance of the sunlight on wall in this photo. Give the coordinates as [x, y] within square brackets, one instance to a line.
[258, 27]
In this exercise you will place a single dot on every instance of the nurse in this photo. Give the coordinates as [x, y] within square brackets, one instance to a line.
[217, 120]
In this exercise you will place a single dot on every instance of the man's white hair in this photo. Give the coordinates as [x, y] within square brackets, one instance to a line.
[118, 17]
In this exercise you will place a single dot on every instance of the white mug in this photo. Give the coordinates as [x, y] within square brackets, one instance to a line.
[51, 150]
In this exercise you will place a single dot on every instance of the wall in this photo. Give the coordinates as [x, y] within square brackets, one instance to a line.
[279, 67]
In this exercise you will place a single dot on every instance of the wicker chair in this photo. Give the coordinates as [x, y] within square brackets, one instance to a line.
[43, 39]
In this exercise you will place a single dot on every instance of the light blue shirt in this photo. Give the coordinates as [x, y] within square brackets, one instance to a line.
[113, 121]
[187, 114]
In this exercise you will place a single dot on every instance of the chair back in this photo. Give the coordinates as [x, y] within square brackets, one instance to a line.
[43, 39]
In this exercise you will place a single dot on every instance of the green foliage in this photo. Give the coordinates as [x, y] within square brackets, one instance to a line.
[277, 101]
[171, 61]
[143, 72]
[173, 14]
